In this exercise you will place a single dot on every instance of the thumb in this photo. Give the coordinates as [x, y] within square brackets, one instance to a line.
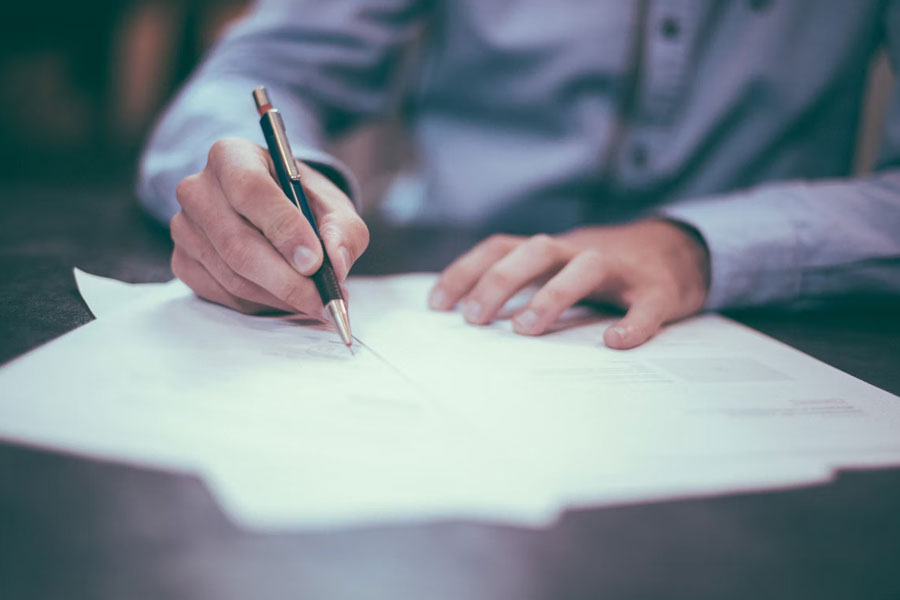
[644, 318]
[343, 232]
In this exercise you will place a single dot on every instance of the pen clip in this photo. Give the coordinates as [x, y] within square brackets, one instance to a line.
[282, 145]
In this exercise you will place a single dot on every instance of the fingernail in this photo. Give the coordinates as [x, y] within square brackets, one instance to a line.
[437, 299]
[472, 311]
[344, 257]
[617, 333]
[304, 259]
[525, 321]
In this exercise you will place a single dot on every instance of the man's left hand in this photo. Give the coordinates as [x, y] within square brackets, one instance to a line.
[656, 270]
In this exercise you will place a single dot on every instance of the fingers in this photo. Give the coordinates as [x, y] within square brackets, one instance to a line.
[250, 255]
[582, 276]
[205, 285]
[238, 188]
[590, 273]
[343, 232]
[643, 319]
[242, 171]
[461, 276]
[651, 268]
[252, 240]
[242, 247]
[528, 261]
[191, 242]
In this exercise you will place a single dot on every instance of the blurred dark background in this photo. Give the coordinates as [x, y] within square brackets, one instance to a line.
[83, 81]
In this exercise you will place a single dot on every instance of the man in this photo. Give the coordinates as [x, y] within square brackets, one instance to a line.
[666, 156]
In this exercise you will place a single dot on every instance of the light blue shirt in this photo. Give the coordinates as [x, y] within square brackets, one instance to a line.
[737, 117]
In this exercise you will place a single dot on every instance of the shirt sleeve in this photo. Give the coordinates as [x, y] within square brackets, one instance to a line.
[796, 242]
[326, 65]
[799, 242]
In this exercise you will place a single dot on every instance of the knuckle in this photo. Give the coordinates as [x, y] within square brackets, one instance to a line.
[238, 254]
[329, 230]
[296, 295]
[186, 190]
[497, 241]
[250, 187]
[552, 297]
[206, 255]
[361, 234]
[235, 285]
[176, 228]
[595, 261]
[498, 278]
[542, 243]
[219, 150]
[181, 268]
[565, 247]
[284, 227]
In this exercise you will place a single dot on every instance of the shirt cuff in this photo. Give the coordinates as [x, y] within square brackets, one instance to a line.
[752, 248]
[156, 193]
[212, 111]
[335, 170]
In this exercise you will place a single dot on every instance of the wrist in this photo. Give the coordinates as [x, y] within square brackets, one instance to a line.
[690, 249]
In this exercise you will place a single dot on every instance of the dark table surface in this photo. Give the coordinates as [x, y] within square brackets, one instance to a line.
[76, 528]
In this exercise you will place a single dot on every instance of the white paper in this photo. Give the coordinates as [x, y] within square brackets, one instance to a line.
[434, 418]
[105, 296]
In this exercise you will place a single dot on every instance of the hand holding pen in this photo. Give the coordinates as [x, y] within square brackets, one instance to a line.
[240, 242]
[288, 174]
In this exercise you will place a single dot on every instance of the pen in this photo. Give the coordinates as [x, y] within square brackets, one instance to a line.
[289, 178]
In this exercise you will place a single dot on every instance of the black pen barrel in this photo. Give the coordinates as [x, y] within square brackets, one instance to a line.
[325, 279]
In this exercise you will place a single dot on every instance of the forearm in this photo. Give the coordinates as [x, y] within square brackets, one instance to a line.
[211, 108]
[326, 66]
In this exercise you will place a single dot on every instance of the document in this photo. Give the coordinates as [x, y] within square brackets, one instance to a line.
[432, 418]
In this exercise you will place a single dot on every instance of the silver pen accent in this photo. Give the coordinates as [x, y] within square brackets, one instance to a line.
[337, 310]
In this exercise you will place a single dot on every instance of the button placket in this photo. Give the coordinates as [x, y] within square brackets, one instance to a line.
[672, 24]
[639, 155]
[758, 5]
[670, 28]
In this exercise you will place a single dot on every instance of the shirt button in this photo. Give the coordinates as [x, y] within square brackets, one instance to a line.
[670, 28]
[639, 156]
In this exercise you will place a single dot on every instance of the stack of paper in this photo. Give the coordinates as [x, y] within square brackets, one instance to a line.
[433, 418]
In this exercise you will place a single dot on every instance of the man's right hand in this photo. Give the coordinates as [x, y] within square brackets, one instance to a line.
[241, 243]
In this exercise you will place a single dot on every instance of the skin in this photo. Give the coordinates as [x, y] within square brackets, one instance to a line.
[240, 243]
[656, 270]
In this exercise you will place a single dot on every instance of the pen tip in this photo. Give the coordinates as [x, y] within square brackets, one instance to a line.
[337, 309]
